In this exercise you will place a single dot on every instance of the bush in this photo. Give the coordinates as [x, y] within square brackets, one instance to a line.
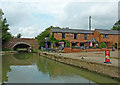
[102, 45]
[67, 44]
[98, 46]
[6, 49]
[94, 42]
[109, 47]
[115, 45]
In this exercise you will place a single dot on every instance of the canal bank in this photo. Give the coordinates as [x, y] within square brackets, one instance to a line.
[91, 64]
[7, 52]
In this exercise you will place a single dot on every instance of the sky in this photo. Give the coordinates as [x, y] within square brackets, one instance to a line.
[31, 17]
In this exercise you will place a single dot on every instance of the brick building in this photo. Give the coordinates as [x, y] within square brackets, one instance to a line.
[79, 37]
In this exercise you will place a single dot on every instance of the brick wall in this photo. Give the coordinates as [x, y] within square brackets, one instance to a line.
[77, 50]
[58, 36]
[70, 50]
[14, 41]
[94, 50]
[80, 38]
[67, 50]
[70, 36]
[112, 39]
[96, 35]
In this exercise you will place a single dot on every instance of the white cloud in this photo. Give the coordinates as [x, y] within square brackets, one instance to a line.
[60, 0]
[29, 32]
[76, 15]
[36, 15]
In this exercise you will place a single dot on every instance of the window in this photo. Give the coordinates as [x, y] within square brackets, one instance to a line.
[85, 36]
[81, 44]
[75, 36]
[74, 44]
[105, 36]
[63, 35]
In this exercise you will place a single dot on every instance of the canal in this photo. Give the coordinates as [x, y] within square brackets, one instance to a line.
[31, 68]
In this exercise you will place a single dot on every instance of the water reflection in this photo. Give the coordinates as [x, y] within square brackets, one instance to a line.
[22, 56]
[0, 68]
[30, 68]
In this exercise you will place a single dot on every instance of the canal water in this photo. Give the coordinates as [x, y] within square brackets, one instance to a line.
[31, 68]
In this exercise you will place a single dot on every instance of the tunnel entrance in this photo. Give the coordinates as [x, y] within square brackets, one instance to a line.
[21, 47]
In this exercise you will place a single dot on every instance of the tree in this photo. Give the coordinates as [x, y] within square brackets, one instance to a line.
[1, 23]
[19, 35]
[5, 27]
[45, 33]
[116, 26]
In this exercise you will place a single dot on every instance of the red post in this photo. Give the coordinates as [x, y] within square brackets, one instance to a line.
[107, 56]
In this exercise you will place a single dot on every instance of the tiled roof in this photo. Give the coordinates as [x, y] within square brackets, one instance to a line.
[112, 32]
[64, 30]
[101, 31]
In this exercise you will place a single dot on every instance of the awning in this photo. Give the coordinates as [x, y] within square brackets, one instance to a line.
[92, 40]
[61, 42]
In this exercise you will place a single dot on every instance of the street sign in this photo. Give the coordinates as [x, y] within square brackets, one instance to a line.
[107, 56]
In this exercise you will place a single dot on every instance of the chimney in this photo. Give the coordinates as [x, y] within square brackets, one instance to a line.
[89, 22]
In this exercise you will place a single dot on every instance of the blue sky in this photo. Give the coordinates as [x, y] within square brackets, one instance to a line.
[31, 17]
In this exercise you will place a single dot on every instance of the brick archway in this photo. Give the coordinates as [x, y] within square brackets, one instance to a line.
[20, 43]
[15, 41]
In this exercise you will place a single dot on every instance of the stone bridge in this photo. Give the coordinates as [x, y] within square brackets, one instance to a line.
[15, 43]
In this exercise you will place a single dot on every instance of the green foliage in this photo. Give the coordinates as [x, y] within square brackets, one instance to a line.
[36, 50]
[1, 13]
[23, 56]
[94, 42]
[115, 45]
[98, 46]
[53, 39]
[41, 36]
[32, 49]
[19, 35]
[116, 26]
[67, 43]
[102, 45]
[6, 49]
[5, 27]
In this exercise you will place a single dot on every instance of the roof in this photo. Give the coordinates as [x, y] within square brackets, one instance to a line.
[65, 30]
[92, 40]
[112, 32]
[101, 31]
